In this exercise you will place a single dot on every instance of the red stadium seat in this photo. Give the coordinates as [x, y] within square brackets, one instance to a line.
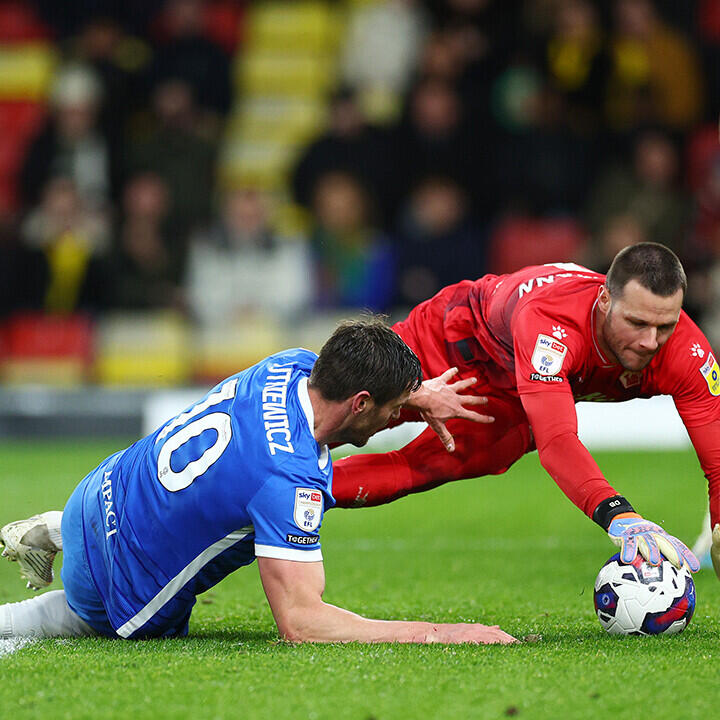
[46, 348]
[701, 152]
[224, 23]
[708, 20]
[19, 23]
[19, 120]
[520, 241]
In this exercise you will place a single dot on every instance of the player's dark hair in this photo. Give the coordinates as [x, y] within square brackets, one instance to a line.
[365, 355]
[654, 266]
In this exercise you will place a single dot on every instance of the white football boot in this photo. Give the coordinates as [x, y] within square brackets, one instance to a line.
[33, 544]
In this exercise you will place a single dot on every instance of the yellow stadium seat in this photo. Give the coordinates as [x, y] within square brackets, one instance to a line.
[143, 350]
[294, 26]
[26, 71]
[222, 351]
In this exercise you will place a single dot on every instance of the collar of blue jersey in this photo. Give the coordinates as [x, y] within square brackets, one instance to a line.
[304, 397]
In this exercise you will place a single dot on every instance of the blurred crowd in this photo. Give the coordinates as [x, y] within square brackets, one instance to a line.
[461, 137]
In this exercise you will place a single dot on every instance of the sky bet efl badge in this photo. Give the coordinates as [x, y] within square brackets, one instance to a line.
[548, 356]
[711, 372]
[308, 508]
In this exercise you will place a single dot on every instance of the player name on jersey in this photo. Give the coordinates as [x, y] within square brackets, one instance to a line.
[274, 407]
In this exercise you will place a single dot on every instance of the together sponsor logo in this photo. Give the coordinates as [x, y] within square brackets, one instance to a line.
[302, 539]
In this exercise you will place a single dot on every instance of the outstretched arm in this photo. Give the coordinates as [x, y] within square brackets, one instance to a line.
[706, 441]
[294, 591]
[554, 423]
[439, 400]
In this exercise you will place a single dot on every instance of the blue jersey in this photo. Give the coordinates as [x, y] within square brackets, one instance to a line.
[236, 476]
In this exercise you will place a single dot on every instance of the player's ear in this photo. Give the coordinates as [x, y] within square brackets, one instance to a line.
[360, 402]
[604, 299]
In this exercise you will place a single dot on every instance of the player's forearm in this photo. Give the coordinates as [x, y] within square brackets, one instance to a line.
[575, 471]
[554, 425]
[327, 623]
[706, 441]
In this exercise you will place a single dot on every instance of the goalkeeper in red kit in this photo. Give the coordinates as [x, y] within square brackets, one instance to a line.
[536, 342]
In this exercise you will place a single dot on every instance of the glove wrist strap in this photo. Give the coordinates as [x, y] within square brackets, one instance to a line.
[609, 508]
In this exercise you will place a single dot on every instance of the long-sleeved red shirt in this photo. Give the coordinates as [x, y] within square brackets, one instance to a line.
[532, 334]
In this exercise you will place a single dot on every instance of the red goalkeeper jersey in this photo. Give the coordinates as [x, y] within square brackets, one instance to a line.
[532, 334]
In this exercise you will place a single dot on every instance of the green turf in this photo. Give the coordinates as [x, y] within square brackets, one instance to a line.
[508, 550]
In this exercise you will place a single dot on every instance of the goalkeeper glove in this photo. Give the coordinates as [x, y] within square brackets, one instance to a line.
[633, 534]
[715, 549]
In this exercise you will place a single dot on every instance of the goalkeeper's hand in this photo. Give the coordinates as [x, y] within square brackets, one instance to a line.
[633, 534]
[715, 549]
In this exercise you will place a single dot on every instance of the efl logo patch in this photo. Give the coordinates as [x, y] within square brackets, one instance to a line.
[549, 355]
[711, 372]
[308, 509]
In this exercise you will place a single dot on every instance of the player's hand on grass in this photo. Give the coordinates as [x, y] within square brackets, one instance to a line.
[439, 400]
[715, 549]
[476, 633]
[633, 534]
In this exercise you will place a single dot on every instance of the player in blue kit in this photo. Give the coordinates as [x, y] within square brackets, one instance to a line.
[245, 473]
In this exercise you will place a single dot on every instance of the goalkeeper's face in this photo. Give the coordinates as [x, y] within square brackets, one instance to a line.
[363, 425]
[638, 323]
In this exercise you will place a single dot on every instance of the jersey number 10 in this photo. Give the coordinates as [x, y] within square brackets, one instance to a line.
[218, 421]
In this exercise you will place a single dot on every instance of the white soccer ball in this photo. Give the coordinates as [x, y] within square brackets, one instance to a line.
[642, 599]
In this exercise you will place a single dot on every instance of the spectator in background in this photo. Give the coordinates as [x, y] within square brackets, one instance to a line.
[708, 29]
[74, 237]
[654, 75]
[576, 64]
[380, 53]
[353, 259]
[619, 231]
[703, 253]
[23, 271]
[117, 60]
[541, 166]
[433, 140]
[438, 243]
[473, 41]
[241, 265]
[177, 153]
[348, 145]
[71, 143]
[144, 269]
[187, 54]
[646, 191]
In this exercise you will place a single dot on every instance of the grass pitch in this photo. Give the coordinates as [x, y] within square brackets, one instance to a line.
[507, 550]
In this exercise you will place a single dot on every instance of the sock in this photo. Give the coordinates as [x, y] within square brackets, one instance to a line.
[5, 623]
[47, 615]
[388, 473]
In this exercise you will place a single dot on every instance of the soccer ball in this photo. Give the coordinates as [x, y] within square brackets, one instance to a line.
[642, 599]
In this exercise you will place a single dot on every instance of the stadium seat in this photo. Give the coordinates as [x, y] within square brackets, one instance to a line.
[47, 349]
[282, 76]
[19, 121]
[26, 71]
[223, 351]
[19, 23]
[283, 25]
[702, 150]
[520, 241]
[143, 350]
[224, 20]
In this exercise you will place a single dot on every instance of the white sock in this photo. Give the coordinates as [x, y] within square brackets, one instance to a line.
[44, 616]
